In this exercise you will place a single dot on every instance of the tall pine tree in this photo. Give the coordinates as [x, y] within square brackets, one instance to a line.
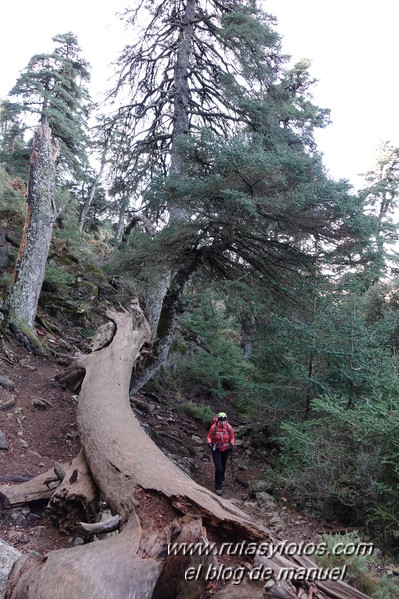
[51, 87]
[226, 137]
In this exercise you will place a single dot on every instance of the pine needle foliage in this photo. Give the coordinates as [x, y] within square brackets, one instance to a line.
[53, 86]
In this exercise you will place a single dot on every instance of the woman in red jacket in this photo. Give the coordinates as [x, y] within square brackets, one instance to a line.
[220, 441]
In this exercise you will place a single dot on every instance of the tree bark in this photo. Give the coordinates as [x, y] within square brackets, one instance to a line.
[23, 296]
[40, 487]
[76, 498]
[86, 206]
[156, 501]
[177, 214]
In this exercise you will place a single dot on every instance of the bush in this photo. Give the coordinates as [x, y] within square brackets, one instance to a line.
[344, 463]
[360, 569]
[204, 413]
[12, 204]
[57, 277]
[5, 280]
[215, 363]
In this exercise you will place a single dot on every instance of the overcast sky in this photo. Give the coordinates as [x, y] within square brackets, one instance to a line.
[353, 46]
[354, 49]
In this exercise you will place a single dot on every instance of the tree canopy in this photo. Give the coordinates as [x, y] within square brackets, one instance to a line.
[54, 87]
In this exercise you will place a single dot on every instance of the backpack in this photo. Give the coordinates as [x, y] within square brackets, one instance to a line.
[228, 430]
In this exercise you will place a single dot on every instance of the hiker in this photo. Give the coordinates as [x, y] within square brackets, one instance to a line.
[220, 441]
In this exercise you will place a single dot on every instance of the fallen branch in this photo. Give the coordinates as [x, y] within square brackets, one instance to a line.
[103, 527]
[32, 490]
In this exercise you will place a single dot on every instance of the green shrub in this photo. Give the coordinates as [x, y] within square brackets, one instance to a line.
[58, 277]
[12, 205]
[361, 569]
[344, 463]
[204, 413]
[214, 363]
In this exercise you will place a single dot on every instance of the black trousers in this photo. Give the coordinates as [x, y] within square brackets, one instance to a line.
[220, 459]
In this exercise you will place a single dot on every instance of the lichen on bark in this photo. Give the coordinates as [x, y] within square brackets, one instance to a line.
[23, 295]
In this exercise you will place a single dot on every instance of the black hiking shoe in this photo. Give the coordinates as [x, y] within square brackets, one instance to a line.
[219, 491]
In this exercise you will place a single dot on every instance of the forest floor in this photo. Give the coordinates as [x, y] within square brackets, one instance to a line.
[37, 418]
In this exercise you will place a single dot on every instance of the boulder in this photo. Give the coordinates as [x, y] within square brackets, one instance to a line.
[8, 555]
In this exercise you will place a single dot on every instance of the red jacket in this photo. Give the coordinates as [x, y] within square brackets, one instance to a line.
[221, 435]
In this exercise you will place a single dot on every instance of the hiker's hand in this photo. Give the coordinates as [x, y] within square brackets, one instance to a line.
[210, 446]
[231, 446]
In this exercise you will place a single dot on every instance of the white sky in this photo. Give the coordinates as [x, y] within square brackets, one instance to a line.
[354, 49]
[353, 46]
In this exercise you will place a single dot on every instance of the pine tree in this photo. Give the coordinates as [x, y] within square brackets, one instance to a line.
[226, 135]
[381, 198]
[52, 88]
[14, 150]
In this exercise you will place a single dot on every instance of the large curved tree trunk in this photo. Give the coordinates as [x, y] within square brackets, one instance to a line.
[156, 501]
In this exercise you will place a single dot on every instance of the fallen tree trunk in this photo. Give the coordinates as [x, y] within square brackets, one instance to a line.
[76, 498]
[157, 503]
[40, 487]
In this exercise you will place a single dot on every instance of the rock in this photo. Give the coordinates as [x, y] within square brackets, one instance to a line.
[237, 502]
[141, 405]
[43, 404]
[260, 486]
[8, 556]
[276, 523]
[250, 504]
[9, 403]
[103, 336]
[20, 517]
[35, 453]
[197, 439]
[3, 441]
[6, 383]
[265, 501]
[26, 364]
[186, 464]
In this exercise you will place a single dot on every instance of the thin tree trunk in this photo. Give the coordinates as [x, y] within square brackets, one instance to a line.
[90, 197]
[121, 219]
[154, 299]
[177, 214]
[29, 270]
[169, 313]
